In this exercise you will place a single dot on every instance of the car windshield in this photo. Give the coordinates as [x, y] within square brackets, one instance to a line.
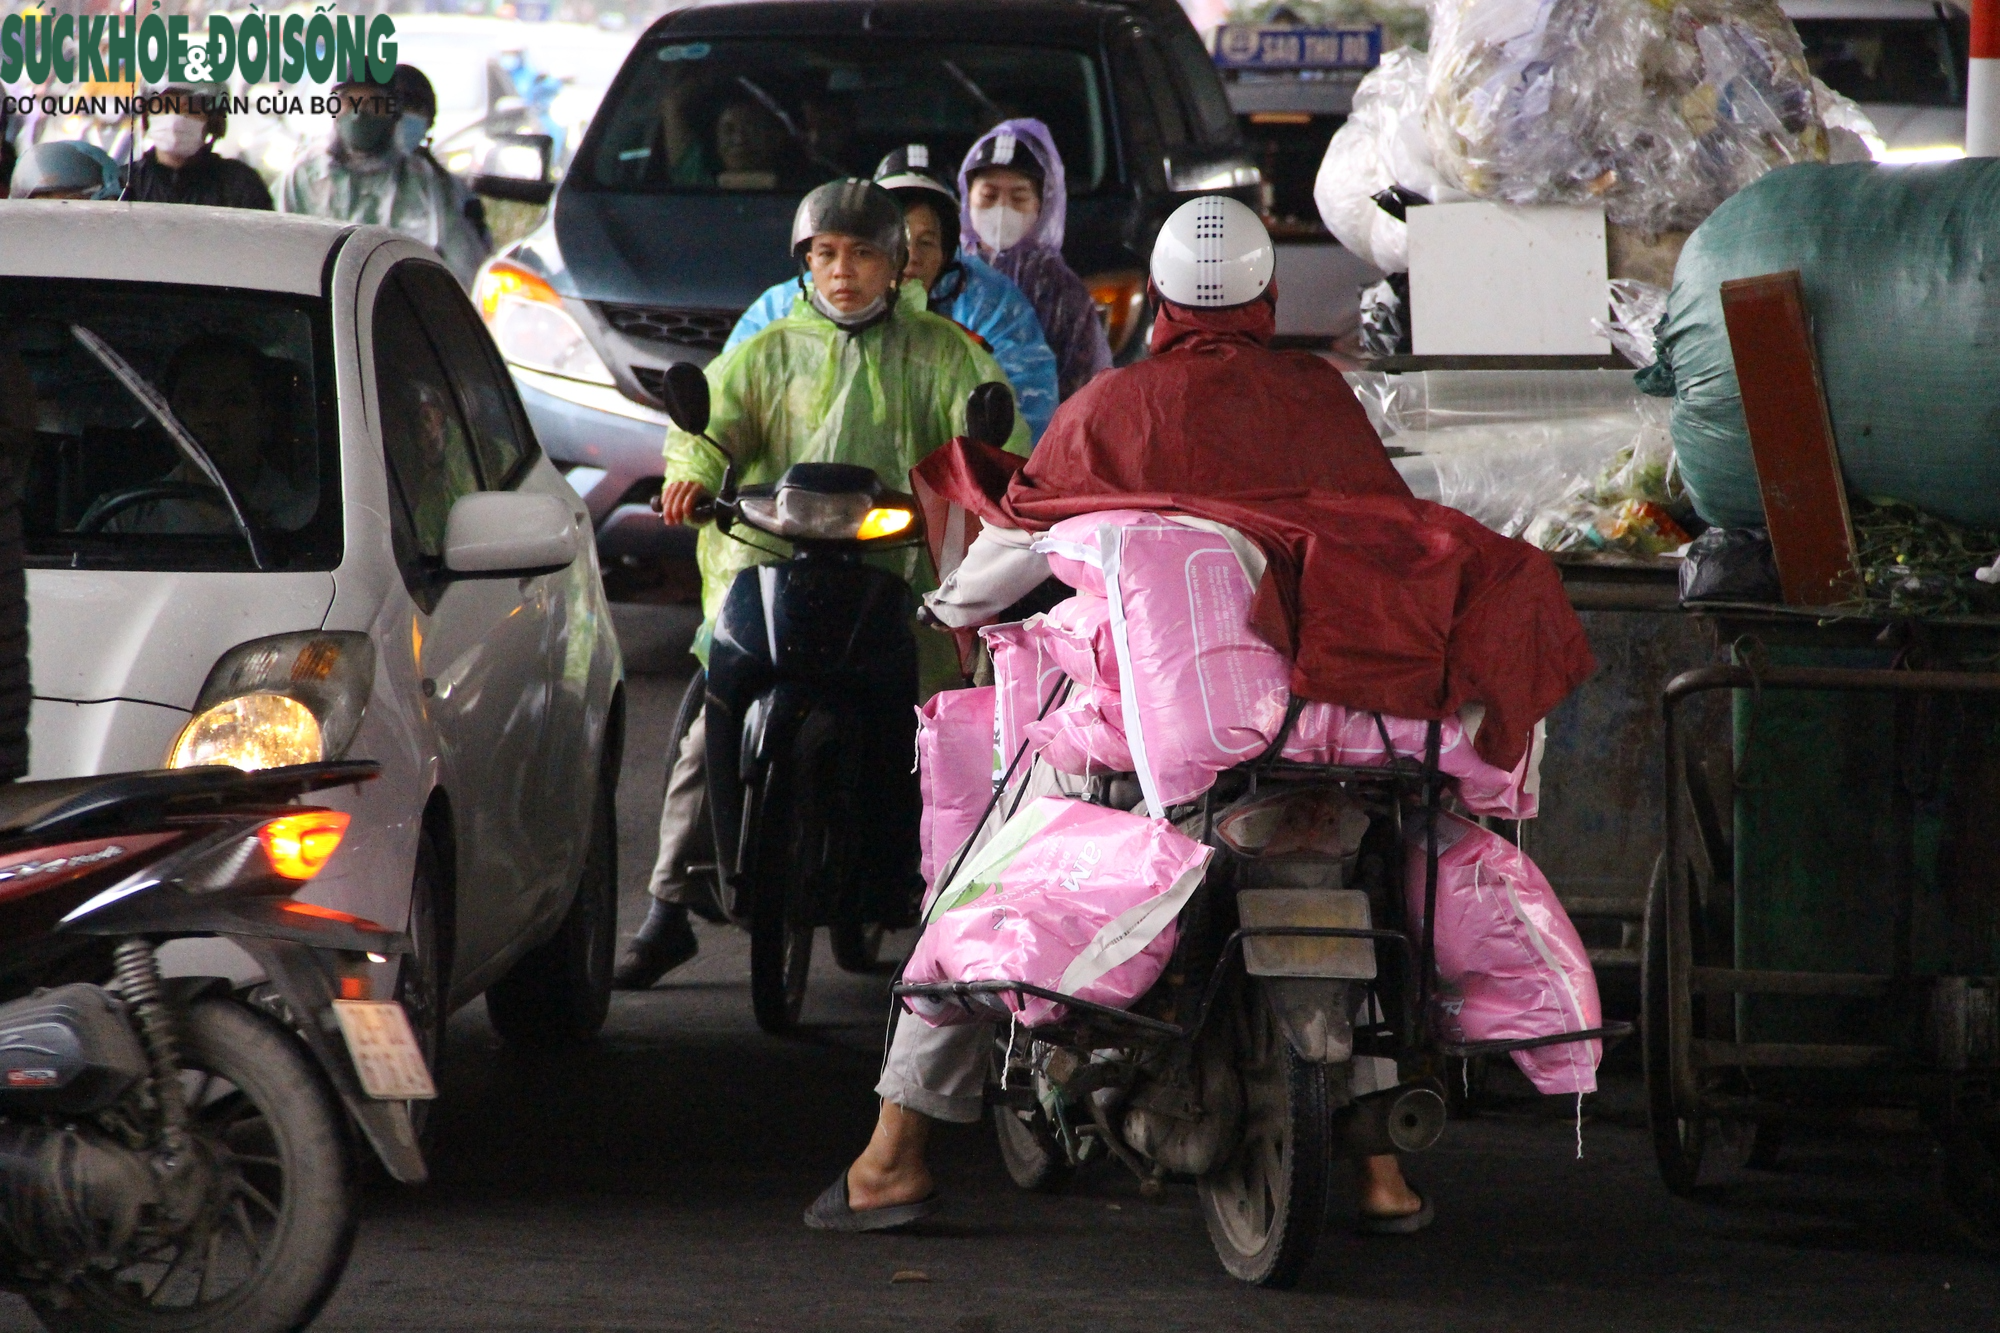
[155, 423]
[786, 115]
[1911, 62]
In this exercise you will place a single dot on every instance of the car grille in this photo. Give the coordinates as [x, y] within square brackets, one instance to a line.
[681, 326]
[653, 380]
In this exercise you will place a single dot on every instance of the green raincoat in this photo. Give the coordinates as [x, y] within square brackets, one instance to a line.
[802, 391]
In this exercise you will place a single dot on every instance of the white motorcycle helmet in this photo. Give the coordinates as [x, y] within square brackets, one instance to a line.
[1212, 252]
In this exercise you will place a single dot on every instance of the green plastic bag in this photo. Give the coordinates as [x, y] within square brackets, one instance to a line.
[1902, 279]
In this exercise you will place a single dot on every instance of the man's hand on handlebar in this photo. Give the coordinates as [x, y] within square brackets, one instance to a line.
[680, 499]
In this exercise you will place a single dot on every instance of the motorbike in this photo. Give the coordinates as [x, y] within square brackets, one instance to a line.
[810, 705]
[182, 1152]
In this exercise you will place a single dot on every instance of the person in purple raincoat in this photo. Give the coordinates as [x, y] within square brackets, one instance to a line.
[1015, 206]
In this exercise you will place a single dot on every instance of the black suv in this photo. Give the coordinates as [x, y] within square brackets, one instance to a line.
[677, 209]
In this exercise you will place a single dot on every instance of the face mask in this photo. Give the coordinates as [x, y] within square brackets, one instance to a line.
[180, 135]
[411, 131]
[853, 321]
[1001, 227]
[363, 133]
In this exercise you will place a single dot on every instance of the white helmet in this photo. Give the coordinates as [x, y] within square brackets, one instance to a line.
[1213, 251]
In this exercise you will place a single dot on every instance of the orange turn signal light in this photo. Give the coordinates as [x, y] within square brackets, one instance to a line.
[299, 846]
[501, 279]
[317, 912]
[878, 523]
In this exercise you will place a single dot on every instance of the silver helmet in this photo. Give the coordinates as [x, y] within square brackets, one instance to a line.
[851, 207]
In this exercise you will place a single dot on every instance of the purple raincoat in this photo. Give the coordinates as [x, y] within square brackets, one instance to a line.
[1063, 304]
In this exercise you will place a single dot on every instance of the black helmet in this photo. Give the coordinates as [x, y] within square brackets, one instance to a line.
[851, 207]
[906, 174]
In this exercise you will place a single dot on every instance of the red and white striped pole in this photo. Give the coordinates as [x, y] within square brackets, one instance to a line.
[1982, 83]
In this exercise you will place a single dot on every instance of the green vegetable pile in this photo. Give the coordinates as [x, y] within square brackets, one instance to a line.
[1916, 564]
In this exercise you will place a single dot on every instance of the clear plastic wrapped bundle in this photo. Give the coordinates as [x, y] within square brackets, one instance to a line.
[1659, 111]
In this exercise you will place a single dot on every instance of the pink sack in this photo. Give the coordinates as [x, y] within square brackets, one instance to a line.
[954, 771]
[1330, 734]
[1077, 635]
[1069, 896]
[1024, 678]
[1194, 675]
[1072, 550]
[1083, 737]
[1510, 964]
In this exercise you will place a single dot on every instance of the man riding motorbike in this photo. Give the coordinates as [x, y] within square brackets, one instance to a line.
[962, 286]
[1173, 425]
[859, 373]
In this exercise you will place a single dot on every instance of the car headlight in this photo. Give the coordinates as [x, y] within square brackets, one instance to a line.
[802, 515]
[530, 326]
[288, 699]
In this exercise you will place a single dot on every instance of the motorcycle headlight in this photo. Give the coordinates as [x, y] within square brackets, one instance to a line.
[288, 699]
[801, 515]
[530, 326]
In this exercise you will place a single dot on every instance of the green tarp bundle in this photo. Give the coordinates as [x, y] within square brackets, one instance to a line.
[1902, 278]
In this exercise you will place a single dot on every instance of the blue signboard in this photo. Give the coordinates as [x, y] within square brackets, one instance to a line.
[1257, 46]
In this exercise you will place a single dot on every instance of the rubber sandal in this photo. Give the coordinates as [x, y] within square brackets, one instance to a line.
[1409, 1224]
[830, 1212]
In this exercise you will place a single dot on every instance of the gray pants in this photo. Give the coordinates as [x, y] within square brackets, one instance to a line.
[938, 1072]
[685, 832]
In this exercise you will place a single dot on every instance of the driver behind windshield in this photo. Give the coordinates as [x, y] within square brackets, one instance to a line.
[222, 390]
[860, 373]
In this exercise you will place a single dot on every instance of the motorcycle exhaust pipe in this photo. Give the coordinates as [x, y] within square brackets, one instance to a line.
[68, 1196]
[1406, 1119]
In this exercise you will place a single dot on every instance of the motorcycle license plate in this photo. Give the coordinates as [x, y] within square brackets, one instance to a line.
[385, 1050]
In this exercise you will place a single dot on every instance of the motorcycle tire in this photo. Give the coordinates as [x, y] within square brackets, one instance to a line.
[1266, 1203]
[284, 1219]
[1029, 1149]
[791, 838]
[857, 946]
[561, 990]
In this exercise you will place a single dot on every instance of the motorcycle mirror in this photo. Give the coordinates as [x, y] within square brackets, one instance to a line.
[687, 397]
[989, 414]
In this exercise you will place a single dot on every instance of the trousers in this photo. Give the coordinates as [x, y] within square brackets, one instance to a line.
[686, 834]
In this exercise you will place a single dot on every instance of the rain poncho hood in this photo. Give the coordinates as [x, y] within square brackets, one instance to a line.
[803, 391]
[975, 296]
[407, 192]
[1063, 304]
[1383, 602]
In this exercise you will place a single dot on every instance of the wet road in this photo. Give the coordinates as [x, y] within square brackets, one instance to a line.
[655, 1181]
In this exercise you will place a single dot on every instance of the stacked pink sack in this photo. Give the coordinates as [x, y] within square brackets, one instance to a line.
[1158, 646]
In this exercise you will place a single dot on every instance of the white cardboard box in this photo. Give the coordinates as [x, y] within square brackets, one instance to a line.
[1507, 280]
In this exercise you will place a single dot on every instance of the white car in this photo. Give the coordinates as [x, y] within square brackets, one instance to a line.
[1904, 61]
[283, 506]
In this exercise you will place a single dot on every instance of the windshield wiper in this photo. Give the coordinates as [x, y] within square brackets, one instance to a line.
[156, 406]
[991, 107]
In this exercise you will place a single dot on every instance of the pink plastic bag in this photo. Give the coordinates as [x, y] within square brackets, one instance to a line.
[1024, 679]
[1194, 676]
[1510, 964]
[1084, 737]
[1069, 896]
[954, 771]
[1072, 547]
[1330, 734]
[1077, 635]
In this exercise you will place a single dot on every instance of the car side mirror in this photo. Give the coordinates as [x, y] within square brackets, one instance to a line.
[989, 414]
[518, 167]
[509, 532]
[686, 397]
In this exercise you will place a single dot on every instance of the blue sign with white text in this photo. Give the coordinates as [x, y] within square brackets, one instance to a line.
[1257, 46]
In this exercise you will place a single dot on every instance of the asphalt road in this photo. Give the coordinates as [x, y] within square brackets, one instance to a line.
[654, 1180]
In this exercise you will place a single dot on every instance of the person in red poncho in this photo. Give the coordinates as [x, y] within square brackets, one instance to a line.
[1218, 425]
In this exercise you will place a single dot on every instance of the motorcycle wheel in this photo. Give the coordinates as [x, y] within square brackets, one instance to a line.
[280, 1222]
[1034, 1157]
[1265, 1204]
[857, 946]
[561, 990]
[790, 840]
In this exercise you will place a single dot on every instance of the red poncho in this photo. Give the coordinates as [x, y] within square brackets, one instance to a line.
[1382, 601]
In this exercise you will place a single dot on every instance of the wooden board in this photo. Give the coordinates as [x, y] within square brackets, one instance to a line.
[1791, 437]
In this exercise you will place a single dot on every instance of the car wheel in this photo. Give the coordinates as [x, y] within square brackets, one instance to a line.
[421, 982]
[562, 990]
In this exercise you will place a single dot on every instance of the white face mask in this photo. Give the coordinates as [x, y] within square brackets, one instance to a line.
[180, 135]
[1001, 227]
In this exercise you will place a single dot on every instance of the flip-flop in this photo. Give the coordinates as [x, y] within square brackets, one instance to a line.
[1409, 1224]
[831, 1212]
